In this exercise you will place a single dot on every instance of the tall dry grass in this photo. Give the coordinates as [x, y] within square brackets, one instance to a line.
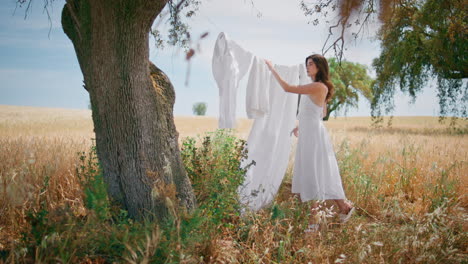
[408, 181]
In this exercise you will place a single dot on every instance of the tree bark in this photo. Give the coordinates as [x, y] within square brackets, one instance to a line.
[132, 104]
[330, 109]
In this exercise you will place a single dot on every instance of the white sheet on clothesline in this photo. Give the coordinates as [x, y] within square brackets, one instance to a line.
[273, 109]
[269, 143]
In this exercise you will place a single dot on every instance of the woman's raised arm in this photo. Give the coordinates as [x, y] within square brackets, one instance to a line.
[310, 88]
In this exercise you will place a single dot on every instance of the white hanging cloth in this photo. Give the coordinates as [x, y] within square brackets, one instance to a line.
[273, 109]
[258, 87]
[269, 143]
[270, 140]
[229, 64]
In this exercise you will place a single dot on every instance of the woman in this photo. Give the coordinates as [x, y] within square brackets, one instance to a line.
[316, 175]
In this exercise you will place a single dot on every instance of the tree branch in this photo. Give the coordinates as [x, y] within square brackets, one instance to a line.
[330, 33]
[366, 19]
[47, 3]
[334, 45]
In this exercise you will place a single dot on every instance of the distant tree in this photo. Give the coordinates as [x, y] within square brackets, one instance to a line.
[199, 109]
[350, 79]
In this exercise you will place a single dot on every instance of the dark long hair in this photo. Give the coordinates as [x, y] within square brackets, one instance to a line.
[323, 74]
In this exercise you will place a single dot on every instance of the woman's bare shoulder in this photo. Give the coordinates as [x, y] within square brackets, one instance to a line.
[310, 88]
[321, 86]
[318, 87]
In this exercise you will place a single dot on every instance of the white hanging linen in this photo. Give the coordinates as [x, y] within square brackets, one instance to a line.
[229, 64]
[257, 93]
[303, 77]
[269, 143]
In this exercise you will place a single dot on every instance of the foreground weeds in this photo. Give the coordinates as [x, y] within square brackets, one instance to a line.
[54, 208]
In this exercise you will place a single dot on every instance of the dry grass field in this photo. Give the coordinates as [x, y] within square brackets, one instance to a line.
[409, 182]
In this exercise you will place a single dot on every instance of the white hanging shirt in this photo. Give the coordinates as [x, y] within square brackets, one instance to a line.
[229, 64]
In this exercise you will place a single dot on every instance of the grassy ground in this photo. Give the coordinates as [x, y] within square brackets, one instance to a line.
[409, 182]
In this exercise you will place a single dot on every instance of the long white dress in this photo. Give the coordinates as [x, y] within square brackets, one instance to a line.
[316, 174]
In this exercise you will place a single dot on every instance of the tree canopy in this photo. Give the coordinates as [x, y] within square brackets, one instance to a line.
[422, 41]
[174, 14]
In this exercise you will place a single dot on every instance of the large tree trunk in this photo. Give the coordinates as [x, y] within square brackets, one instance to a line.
[136, 139]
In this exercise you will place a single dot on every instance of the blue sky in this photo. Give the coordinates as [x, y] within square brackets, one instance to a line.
[41, 69]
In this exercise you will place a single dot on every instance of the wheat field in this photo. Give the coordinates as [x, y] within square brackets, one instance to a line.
[398, 176]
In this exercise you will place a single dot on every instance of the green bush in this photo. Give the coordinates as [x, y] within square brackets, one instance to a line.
[214, 168]
[91, 180]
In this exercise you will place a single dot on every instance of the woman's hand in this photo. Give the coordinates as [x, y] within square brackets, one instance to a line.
[269, 64]
[295, 131]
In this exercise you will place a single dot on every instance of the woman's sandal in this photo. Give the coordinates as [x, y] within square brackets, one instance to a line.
[345, 217]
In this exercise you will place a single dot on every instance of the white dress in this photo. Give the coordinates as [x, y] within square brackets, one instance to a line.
[316, 174]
